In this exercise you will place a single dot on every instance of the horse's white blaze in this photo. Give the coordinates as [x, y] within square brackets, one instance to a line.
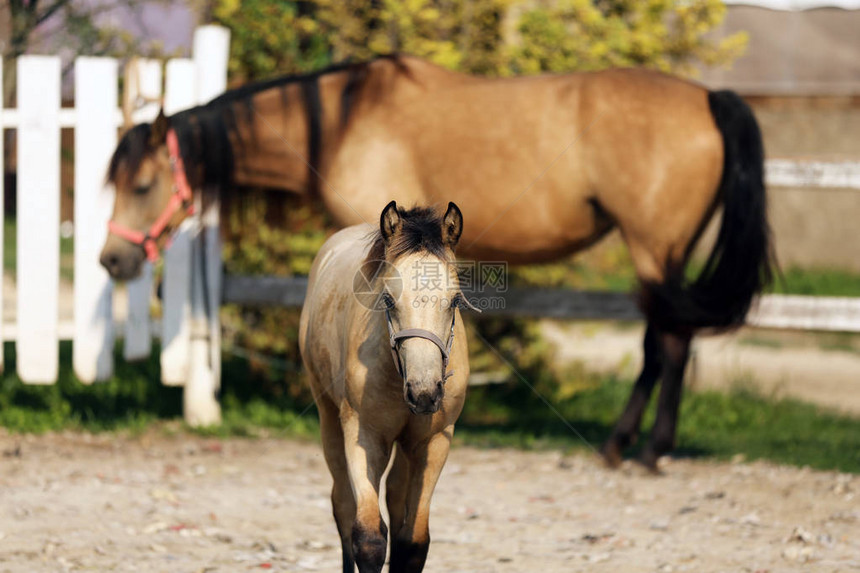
[95, 139]
[176, 289]
[38, 218]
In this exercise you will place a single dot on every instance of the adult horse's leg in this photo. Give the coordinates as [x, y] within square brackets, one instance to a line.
[660, 224]
[410, 545]
[367, 455]
[396, 488]
[627, 429]
[676, 351]
[342, 500]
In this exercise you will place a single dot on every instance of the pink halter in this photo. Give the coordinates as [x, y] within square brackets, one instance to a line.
[181, 199]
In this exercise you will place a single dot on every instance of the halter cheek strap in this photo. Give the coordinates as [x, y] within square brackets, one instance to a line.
[182, 199]
[395, 337]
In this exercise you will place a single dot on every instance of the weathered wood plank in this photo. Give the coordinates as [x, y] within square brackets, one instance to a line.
[803, 173]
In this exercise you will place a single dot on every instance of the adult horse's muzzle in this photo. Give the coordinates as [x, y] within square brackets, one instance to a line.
[126, 263]
[122, 260]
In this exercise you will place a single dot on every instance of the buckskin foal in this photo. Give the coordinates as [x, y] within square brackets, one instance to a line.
[387, 363]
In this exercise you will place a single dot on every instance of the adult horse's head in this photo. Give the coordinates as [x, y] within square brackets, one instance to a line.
[419, 291]
[153, 170]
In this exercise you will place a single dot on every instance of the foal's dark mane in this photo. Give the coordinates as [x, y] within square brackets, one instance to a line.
[420, 232]
[204, 131]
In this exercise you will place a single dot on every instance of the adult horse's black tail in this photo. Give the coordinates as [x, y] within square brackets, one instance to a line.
[740, 264]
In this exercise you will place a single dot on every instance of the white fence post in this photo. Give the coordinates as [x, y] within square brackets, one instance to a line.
[138, 327]
[95, 139]
[211, 52]
[38, 257]
[176, 285]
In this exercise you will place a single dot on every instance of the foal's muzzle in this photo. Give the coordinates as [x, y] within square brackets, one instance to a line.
[424, 402]
[421, 401]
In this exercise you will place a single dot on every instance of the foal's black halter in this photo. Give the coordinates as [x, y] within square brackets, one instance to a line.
[396, 337]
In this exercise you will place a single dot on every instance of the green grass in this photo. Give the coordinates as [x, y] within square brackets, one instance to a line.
[820, 282]
[712, 424]
[133, 399]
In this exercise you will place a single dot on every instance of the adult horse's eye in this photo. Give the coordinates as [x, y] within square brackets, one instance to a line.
[457, 301]
[387, 300]
[142, 189]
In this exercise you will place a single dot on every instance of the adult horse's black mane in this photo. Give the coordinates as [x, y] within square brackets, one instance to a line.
[204, 131]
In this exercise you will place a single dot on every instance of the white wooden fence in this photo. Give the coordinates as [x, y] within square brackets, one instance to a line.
[190, 342]
[190, 333]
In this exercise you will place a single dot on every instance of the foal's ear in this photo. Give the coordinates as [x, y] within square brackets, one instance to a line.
[389, 222]
[158, 130]
[452, 225]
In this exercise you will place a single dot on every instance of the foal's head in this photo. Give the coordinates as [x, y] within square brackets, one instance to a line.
[419, 290]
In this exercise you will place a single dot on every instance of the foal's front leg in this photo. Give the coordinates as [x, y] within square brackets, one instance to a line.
[367, 455]
[410, 544]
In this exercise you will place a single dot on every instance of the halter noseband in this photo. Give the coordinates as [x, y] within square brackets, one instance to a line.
[181, 199]
[395, 337]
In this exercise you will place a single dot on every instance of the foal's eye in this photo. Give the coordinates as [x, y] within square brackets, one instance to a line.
[142, 189]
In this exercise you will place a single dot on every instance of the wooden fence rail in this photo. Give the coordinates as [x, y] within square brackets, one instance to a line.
[790, 312]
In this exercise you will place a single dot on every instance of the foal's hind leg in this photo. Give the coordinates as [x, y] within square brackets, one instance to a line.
[342, 500]
[627, 429]
[676, 351]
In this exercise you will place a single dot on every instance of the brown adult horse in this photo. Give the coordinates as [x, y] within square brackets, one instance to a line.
[541, 167]
[388, 368]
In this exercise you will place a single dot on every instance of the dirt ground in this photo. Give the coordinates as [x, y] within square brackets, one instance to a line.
[188, 504]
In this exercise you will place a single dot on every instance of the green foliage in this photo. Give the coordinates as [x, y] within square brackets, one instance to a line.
[495, 37]
[277, 238]
[584, 35]
[268, 38]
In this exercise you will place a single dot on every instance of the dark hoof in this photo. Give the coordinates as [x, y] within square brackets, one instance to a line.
[408, 557]
[611, 454]
[649, 459]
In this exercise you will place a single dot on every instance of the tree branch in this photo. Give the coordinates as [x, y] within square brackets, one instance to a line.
[50, 11]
